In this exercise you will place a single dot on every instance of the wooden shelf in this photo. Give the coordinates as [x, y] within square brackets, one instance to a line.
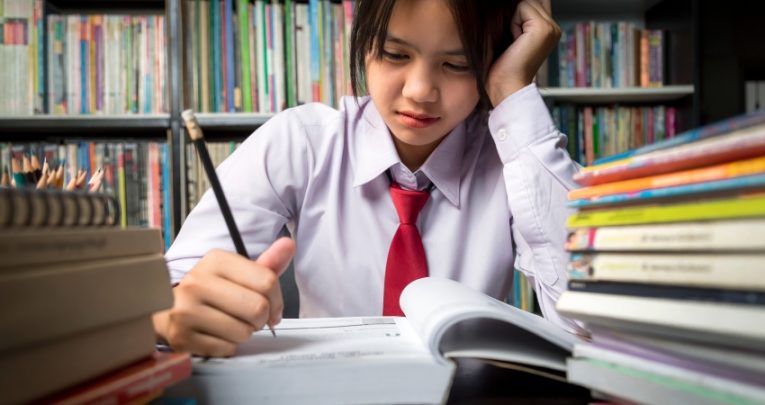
[617, 94]
[91, 126]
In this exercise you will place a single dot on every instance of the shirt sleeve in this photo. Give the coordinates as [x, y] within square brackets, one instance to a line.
[538, 174]
[263, 181]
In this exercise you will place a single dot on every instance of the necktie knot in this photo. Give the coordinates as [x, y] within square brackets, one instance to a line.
[408, 203]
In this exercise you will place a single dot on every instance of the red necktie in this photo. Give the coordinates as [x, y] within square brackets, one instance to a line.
[406, 257]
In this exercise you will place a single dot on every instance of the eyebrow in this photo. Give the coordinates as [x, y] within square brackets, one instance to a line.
[391, 38]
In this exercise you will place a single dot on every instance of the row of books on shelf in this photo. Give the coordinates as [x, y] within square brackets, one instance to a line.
[135, 174]
[81, 64]
[196, 179]
[596, 132]
[667, 246]
[80, 329]
[608, 54]
[264, 56]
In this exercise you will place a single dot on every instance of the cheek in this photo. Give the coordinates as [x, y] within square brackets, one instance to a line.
[463, 95]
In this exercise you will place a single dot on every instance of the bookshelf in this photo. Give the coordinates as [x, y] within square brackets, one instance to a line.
[625, 73]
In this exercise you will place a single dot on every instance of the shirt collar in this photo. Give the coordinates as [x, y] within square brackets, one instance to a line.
[376, 153]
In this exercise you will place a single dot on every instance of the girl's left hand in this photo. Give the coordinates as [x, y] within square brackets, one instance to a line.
[535, 34]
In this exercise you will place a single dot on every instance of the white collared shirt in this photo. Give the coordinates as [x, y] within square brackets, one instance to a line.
[497, 204]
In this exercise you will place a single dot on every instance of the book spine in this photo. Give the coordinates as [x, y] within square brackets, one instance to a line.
[737, 184]
[667, 317]
[739, 207]
[746, 143]
[718, 172]
[725, 271]
[215, 45]
[244, 41]
[131, 384]
[698, 236]
[228, 46]
[745, 296]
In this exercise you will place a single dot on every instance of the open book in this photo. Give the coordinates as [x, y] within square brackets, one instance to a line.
[381, 359]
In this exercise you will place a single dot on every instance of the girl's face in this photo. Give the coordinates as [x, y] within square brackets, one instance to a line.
[422, 85]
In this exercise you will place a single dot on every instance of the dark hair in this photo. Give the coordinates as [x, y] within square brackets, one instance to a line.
[484, 27]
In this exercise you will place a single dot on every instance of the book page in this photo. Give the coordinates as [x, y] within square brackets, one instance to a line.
[457, 321]
[318, 341]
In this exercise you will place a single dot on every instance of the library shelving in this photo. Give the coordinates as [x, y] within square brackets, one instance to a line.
[624, 74]
[681, 87]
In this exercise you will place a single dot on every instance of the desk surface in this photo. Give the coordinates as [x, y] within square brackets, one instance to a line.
[478, 382]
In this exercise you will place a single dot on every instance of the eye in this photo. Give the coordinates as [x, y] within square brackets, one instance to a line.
[457, 67]
[395, 57]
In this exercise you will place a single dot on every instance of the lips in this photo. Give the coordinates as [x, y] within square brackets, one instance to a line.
[416, 120]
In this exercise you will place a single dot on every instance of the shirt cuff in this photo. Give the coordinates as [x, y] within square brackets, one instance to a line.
[520, 120]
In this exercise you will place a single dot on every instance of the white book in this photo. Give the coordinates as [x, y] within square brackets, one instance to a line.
[262, 62]
[279, 54]
[729, 235]
[380, 359]
[711, 354]
[710, 270]
[303, 54]
[637, 386]
[722, 385]
[710, 322]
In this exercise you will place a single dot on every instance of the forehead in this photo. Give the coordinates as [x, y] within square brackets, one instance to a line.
[427, 24]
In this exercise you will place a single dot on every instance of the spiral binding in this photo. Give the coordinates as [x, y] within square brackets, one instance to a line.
[26, 208]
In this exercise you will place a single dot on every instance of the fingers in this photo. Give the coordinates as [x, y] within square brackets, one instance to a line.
[278, 256]
[244, 304]
[211, 322]
[224, 298]
[255, 276]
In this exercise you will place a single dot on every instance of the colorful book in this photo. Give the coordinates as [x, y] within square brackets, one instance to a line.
[717, 128]
[738, 145]
[725, 208]
[704, 174]
[720, 187]
[739, 235]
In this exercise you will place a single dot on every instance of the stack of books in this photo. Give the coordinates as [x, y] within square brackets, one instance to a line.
[77, 304]
[666, 270]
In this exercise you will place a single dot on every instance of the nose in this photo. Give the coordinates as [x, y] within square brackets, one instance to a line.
[421, 84]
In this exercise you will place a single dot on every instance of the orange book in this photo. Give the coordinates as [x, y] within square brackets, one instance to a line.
[704, 174]
[644, 66]
[135, 383]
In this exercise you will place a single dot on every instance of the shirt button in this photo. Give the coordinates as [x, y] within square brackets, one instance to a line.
[502, 134]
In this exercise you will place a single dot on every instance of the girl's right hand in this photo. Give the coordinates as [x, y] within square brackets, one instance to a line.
[224, 299]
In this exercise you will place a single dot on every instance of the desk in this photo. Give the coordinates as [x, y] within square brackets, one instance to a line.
[478, 382]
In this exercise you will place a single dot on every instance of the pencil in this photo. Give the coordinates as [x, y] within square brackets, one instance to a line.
[60, 176]
[28, 170]
[36, 169]
[18, 176]
[6, 179]
[95, 181]
[195, 133]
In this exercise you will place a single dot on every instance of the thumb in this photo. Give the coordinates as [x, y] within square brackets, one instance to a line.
[278, 256]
